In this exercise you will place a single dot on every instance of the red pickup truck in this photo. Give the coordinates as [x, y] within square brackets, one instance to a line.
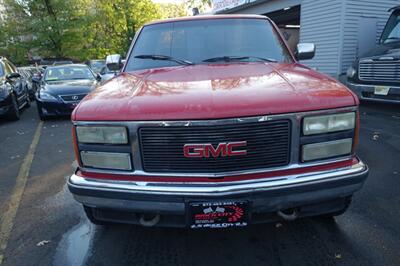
[213, 123]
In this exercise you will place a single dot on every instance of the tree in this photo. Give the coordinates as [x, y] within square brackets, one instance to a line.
[53, 27]
[76, 29]
[116, 22]
[173, 10]
[202, 5]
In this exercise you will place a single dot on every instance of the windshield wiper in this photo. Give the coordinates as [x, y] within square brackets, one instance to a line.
[164, 57]
[237, 58]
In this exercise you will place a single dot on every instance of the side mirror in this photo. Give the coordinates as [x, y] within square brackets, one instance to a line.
[305, 51]
[36, 77]
[98, 77]
[13, 76]
[113, 62]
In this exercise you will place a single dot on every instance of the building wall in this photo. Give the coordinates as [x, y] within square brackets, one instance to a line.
[333, 25]
[354, 9]
[320, 24]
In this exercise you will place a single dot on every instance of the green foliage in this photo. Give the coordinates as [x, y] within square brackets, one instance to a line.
[76, 29]
[173, 10]
[202, 5]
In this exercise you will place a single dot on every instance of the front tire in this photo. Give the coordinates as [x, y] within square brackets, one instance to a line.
[42, 116]
[14, 113]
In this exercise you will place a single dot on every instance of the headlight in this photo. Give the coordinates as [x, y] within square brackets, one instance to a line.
[324, 150]
[328, 123]
[102, 135]
[351, 72]
[106, 160]
[46, 96]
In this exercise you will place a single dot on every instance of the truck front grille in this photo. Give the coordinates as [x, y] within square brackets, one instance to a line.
[268, 145]
[386, 71]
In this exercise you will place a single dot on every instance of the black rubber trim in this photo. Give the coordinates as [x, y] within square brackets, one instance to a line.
[105, 148]
[327, 137]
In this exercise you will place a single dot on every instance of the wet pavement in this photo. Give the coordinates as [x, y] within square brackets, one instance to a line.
[50, 228]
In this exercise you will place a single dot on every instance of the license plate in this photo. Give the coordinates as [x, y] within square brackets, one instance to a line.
[381, 90]
[219, 214]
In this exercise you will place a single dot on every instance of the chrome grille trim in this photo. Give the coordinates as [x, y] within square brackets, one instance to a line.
[379, 70]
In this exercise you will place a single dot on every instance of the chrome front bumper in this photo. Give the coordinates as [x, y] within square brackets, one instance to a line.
[359, 89]
[266, 194]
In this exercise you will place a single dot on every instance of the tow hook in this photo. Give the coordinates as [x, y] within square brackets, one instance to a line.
[289, 214]
[149, 221]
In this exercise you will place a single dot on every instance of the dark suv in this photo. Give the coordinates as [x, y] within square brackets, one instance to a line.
[13, 94]
[376, 75]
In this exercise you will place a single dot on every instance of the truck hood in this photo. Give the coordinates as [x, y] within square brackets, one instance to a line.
[212, 92]
[391, 49]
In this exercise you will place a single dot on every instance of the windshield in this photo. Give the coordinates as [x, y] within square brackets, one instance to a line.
[199, 40]
[1, 70]
[392, 29]
[68, 73]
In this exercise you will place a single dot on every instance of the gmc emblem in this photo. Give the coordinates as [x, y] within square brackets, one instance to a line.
[208, 150]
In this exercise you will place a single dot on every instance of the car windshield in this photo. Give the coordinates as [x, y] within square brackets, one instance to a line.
[206, 42]
[57, 63]
[392, 30]
[1, 70]
[68, 73]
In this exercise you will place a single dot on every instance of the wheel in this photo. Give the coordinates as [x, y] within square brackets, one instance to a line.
[331, 215]
[92, 219]
[42, 116]
[14, 113]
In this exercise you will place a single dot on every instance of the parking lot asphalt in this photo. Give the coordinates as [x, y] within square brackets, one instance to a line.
[45, 226]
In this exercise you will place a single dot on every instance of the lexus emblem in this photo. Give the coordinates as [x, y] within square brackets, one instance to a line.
[75, 97]
[225, 149]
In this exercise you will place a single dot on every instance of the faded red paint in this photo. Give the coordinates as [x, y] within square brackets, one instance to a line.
[213, 91]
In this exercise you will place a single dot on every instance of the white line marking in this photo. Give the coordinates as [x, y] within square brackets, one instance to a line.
[7, 219]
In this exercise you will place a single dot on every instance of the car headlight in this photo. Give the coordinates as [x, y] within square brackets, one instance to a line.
[351, 72]
[102, 135]
[328, 123]
[46, 96]
[329, 149]
[106, 160]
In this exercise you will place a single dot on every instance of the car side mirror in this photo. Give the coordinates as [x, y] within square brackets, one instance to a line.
[13, 76]
[305, 51]
[37, 77]
[114, 62]
[98, 77]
